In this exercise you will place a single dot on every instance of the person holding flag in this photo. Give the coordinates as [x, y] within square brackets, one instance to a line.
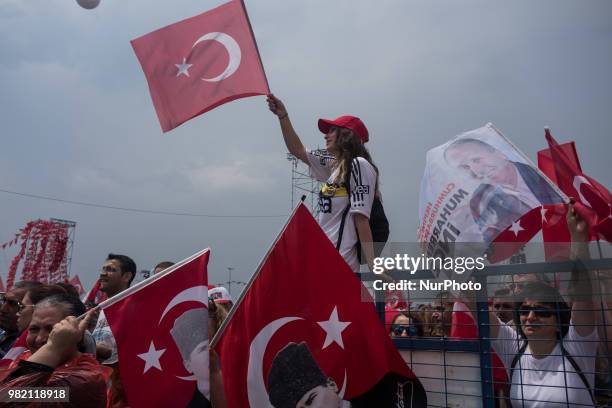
[350, 181]
[552, 337]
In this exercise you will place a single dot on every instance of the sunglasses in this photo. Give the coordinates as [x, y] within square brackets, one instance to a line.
[398, 329]
[540, 312]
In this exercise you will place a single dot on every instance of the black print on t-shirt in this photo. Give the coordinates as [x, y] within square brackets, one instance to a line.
[325, 204]
[358, 190]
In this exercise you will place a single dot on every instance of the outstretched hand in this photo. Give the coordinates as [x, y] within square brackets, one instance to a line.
[276, 106]
[577, 226]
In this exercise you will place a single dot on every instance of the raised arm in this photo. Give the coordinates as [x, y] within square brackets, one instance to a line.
[583, 307]
[292, 140]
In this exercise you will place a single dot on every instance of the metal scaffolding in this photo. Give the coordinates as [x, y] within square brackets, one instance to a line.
[304, 187]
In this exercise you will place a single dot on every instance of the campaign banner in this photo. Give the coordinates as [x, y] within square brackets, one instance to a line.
[477, 186]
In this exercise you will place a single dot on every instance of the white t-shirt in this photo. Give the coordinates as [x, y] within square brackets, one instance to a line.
[103, 334]
[334, 199]
[542, 379]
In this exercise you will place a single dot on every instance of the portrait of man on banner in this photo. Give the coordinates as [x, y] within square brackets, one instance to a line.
[476, 186]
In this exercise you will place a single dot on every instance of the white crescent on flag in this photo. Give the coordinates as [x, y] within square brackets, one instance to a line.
[233, 49]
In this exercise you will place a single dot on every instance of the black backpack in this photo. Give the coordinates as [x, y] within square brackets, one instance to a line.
[379, 225]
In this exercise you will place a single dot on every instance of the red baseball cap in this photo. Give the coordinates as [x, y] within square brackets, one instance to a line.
[349, 122]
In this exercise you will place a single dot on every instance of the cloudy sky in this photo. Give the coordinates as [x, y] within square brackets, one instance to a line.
[78, 123]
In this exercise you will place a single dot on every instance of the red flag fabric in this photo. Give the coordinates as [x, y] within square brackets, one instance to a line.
[18, 347]
[557, 240]
[593, 200]
[395, 300]
[200, 63]
[76, 282]
[95, 295]
[161, 329]
[305, 317]
[464, 328]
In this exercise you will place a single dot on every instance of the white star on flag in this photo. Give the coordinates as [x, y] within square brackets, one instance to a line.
[516, 228]
[543, 214]
[151, 358]
[183, 69]
[333, 329]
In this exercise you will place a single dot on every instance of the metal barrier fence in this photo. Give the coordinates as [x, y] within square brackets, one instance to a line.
[460, 373]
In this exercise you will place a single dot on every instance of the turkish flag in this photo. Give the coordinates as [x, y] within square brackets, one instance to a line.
[161, 330]
[95, 296]
[510, 240]
[557, 240]
[76, 282]
[305, 318]
[200, 63]
[593, 200]
[463, 327]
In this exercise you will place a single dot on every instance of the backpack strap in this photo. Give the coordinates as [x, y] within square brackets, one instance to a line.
[565, 354]
[578, 371]
[516, 359]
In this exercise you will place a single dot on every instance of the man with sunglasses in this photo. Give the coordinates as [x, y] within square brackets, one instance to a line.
[10, 304]
[550, 358]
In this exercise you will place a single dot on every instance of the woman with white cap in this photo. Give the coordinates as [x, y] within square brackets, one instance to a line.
[350, 181]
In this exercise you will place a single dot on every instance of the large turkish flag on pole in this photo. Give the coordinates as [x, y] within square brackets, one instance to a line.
[161, 330]
[305, 317]
[593, 200]
[200, 63]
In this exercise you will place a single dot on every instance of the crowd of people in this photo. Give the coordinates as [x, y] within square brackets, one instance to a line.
[549, 345]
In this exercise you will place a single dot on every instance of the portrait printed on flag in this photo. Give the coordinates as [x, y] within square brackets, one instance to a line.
[475, 186]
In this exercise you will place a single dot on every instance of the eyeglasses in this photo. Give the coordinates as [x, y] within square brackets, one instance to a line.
[10, 302]
[540, 312]
[398, 329]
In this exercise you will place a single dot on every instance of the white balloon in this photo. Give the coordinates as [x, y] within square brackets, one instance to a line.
[88, 4]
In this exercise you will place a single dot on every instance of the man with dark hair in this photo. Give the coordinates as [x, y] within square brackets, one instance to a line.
[117, 274]
[10, 303]
[503, 303]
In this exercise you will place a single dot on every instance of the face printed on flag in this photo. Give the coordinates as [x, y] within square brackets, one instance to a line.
[476, 188]
[161, 331]
[295, 338]
[200, 63]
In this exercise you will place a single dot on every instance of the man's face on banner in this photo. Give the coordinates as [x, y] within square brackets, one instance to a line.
[480, 162]
[323, 396]
[199, 366]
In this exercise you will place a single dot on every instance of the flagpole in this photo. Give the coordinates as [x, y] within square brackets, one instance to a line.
[528, 160]
[122, 295]
[215, 339]
[255, 42]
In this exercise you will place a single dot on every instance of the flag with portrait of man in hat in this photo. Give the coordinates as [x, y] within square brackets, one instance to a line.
[161, 329]
[306, 330]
